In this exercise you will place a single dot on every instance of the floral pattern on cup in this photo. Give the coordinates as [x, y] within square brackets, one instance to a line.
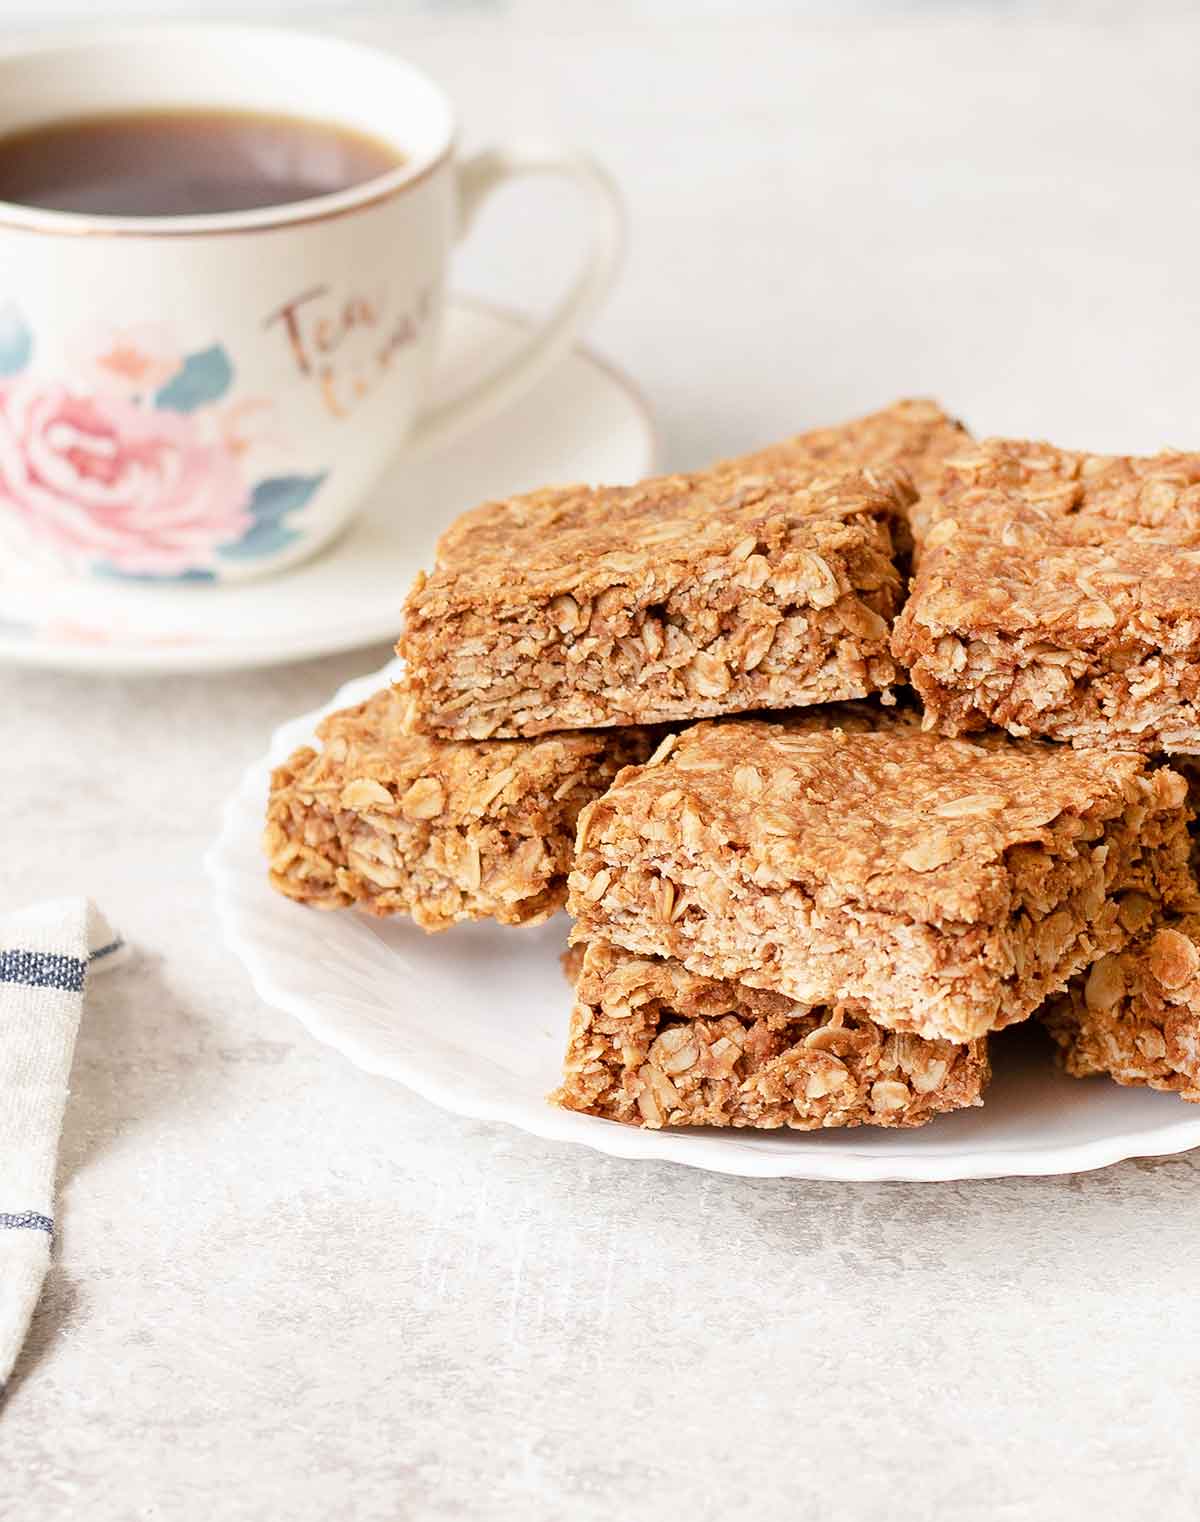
[138, 465]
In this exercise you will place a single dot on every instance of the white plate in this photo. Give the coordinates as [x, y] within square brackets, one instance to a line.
[475, 1020]
[584, 422]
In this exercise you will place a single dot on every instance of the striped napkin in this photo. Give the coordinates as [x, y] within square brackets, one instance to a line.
[46, 953]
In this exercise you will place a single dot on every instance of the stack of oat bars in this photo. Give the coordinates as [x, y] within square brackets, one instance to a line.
[801, 896]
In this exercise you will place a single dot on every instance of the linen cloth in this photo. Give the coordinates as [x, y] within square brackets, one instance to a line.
[46, 953]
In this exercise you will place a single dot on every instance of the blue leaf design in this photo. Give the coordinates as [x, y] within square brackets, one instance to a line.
[114, 573]
[282, 494]
[206, 376]
[270, 502]
[263, 539]
[16, 341]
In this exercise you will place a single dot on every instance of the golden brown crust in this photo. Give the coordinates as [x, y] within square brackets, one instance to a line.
[1152, 491]
[571, 526]
[1135, 1015]
[443, 831]
[652, 1044]
[1059, 595]
[678, 598]
[915, 435]
[948, 886]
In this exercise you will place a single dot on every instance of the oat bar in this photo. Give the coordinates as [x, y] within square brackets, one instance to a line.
[1151, 491]
[949, 887]
[1136, 1015]
[442, 831]
[679, 598]
[916, 435]
[1058, 594]
[652, 1044]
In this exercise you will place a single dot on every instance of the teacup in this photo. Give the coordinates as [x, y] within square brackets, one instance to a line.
[211, 397]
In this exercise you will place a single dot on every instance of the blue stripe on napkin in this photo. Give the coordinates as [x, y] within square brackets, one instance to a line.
[28, 1219]
[42, 969]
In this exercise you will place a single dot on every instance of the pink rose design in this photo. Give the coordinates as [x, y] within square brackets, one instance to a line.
[102, 479]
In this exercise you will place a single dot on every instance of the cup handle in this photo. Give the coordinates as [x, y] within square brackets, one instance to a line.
[478, 176]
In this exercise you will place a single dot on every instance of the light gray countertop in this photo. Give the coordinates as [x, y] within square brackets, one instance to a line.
[285, 1290]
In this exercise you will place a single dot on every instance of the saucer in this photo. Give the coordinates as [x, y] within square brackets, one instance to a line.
[584, 422]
